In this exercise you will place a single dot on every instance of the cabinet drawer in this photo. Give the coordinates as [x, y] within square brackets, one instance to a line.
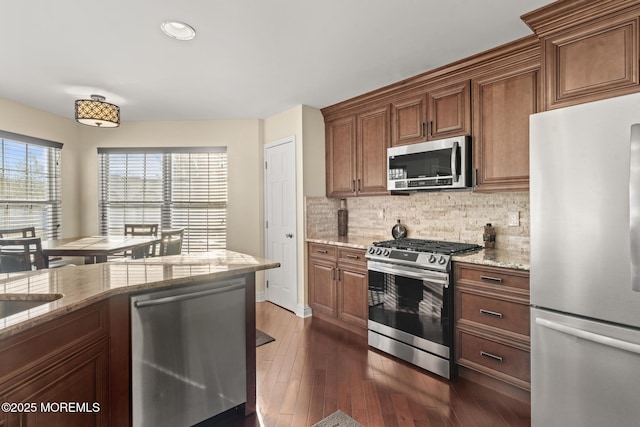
[494, 358]
[352, 256]
[506, 315]
[490, 276]
[317, 250]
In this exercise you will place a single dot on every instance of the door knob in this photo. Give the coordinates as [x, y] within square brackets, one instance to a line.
[289, 235]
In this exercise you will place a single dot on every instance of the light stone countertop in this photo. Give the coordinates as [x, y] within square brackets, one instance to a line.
[491, 257]
[357, 242]
[87, 284]
[496, 258]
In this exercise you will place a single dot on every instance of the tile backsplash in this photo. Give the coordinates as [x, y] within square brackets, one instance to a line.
[455, 216]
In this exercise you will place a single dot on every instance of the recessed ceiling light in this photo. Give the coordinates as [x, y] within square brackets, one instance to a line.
[178, 30]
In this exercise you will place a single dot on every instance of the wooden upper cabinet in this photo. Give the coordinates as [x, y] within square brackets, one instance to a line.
[341, 156]
[409, 116]
[356, 150]
[449, 111]
[502, 103]
[371, 151]
[440, 112]
[591, 62]
[589, 52]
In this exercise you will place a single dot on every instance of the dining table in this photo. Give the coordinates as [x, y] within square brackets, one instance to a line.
[95, 249]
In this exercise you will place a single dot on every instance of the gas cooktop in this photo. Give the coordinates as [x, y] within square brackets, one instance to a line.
[420, 253]
[421, 245]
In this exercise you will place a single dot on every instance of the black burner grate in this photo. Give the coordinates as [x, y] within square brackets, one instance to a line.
[421, 245]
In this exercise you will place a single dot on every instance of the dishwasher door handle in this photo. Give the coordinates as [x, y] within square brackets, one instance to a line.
[191, 295]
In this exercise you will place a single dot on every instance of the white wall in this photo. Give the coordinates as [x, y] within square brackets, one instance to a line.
[306, 124]
[18, 118]
[243, 141]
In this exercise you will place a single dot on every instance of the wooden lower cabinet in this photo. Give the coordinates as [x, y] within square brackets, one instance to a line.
[322, 287]
[337, 279]
[492, 322]
[352, 294]
[58, 373]
[73, 392]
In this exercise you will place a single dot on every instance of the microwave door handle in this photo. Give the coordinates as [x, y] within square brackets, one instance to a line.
[634, 205]
[454, 163]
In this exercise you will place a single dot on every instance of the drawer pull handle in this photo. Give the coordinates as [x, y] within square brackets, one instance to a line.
[353, 256]
[491, 356]
[322, 251]
[491, 279]
[491, 313]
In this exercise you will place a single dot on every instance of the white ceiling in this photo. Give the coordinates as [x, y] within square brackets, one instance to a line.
[251, 59]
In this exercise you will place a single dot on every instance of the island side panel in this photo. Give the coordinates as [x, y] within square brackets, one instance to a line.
[250, 309]
[120, 353]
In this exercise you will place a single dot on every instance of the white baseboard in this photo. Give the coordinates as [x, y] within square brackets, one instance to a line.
[303, 311]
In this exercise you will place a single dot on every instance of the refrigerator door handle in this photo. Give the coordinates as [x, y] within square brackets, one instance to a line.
[590, 336]
[634, 205]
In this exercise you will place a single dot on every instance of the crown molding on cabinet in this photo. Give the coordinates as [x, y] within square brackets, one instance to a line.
[569, 13]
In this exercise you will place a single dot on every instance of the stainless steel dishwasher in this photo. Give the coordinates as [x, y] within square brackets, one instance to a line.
[188, 353]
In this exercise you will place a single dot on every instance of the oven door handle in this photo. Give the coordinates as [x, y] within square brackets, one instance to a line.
[415, 273]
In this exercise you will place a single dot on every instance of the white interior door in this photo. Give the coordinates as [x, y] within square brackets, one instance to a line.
[280, 216]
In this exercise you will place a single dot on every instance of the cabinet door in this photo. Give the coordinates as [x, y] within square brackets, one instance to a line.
[81, 380]
[502, 104]
[322, 286]
[373, 138]
[449, 111]
[409, 116]
[341, 157]
[591, 62]
[352, 295]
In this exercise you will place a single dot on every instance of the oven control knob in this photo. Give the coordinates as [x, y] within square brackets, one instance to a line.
[432, 258]
[378, 251]
[442, 260]
[386, 252]
[372, 250]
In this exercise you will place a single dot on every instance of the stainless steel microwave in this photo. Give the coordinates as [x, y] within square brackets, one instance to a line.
[431, 165]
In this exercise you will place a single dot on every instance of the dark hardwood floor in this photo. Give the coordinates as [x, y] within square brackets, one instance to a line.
[313, 369]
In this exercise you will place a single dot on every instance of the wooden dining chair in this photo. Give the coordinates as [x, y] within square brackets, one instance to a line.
[18, 232]
[171, 241]
[141, 230]
[21, 254]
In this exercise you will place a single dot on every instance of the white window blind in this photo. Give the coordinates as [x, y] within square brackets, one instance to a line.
[174, 187]
[30, 184]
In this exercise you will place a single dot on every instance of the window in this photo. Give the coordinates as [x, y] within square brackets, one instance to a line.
[30, 184]
[174, 187]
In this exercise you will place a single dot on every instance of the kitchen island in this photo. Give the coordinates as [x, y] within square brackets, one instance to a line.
[71, 353]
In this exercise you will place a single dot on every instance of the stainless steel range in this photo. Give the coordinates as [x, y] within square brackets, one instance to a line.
[411, 301]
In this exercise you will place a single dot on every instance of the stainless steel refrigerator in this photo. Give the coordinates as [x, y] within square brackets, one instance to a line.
[585, 264]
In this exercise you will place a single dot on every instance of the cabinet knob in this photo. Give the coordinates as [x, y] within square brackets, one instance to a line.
[289, 235]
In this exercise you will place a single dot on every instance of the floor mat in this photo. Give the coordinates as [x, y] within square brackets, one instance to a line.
[338, 419]
[262, 338]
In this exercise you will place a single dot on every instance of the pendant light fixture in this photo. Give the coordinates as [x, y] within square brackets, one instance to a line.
[96, 112]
